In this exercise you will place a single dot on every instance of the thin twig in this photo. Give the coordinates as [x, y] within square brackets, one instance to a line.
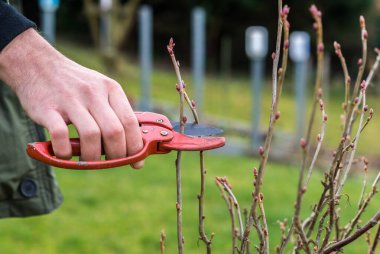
[162, 241]
[202, 234]
[355, 144]
[375, 241]
[180, 239]
[347, 77]
[305, 143]
[285, 240]
[321, 227]
[265, 225]
[338, 245]
[264, 152]
[320, 140]
[360, 203]
[350, 226]
[229, 203]
[223, 181]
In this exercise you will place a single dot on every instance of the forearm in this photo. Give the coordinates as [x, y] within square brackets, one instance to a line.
[26, 56]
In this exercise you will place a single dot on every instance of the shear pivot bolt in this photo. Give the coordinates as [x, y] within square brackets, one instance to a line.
[164, 133]
[159, 120]
[145, 131]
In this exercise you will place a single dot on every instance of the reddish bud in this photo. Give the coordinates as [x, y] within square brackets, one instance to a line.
[362, 22]
[261, 151]
[360, 62]
[178, 206]
[287, 24]
[338, 50]
[320, 93]
[342, 140]
[286, 9]
[371, 112]
[334, 154]
[315, 26]
[321, 47]
[273, 55]
[265, 231]
[325, 118]
[170, 46]
[286, 44]
[365, 160]
[193, 104]
[321, 104]
[356, 100]
[314, 11]
[365, 108]
[303, 190]
[337, 46]
[184, 119]
[303, 143]
[255, 173]
[261, 196]
[365, 34]
[177, 87]
[277, 115]
[363, 85]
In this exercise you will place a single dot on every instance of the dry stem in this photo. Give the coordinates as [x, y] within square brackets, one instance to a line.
[338, 245]
[202, 234]
[375, 241]
[162, 241]
[230, 205]
[276, 91]
[180, 240]
[348, 228]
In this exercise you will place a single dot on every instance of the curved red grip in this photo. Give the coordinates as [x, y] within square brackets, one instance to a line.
[43, 152]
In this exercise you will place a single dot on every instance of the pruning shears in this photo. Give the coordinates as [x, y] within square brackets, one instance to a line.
[160, 136]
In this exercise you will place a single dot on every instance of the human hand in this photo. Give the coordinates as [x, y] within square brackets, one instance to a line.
[55, 91]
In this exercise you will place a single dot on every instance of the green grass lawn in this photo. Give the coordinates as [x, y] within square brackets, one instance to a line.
[123, 210]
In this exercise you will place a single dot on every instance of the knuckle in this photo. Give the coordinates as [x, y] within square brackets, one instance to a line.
[87, 89]
[91, 134]
[113, 132]
[130, 122]
[59, 132]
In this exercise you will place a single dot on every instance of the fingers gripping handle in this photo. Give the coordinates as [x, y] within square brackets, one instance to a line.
[43, 151]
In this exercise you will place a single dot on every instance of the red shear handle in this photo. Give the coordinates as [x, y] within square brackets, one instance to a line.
[43, 152]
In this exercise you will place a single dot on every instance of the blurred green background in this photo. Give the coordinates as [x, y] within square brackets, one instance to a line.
[122, 210]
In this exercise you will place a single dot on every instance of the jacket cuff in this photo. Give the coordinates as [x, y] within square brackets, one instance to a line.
[12, 24]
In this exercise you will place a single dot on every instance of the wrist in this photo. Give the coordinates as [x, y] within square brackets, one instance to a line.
[24, 58]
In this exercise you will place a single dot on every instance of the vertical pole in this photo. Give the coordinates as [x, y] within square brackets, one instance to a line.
[145, 54]
[105, 26]
[299, 53]
[198, 53]
[48, 25]
[48, 10]
[300, 73]
[257, 69]
[105, 31]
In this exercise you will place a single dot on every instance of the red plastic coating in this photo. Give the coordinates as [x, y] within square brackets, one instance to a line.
[158, 138]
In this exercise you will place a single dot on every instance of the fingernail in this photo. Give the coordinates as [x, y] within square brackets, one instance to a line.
[138, 165]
